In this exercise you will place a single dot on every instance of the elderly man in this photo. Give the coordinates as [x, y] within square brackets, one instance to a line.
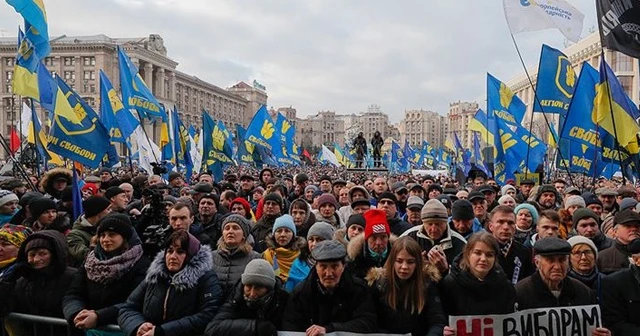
[525, 190]
[118, 199]
[608, 198]
[463, 220]
[616, 257]
[440, 244]
[550, 287]
[514, 257]
[586, 224]
[128, 191]
[387, 201]
[547, 198]
[480, 206]
[371, 249]
[620, 296]
[312, 304]
[414, 207]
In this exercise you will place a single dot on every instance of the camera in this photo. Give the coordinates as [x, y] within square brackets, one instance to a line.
[159, 168]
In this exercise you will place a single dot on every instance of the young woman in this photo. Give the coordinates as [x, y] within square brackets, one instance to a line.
[476, 285]
[301, 267]
[109, 274]
[407, 300]
[283, 246]
[234, 252]
[302, 215]
[526, 221]
[179, 295]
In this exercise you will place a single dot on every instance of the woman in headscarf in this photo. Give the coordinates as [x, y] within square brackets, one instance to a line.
[526, 221]
[179, 295]
[110, 273]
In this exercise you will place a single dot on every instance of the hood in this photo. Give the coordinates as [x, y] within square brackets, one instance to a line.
[188, 277]
[60, 246]
[356, 246]
[47, 180]
[358, 187]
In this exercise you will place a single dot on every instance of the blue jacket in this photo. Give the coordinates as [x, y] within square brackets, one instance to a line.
[299, 271]
[476, 227]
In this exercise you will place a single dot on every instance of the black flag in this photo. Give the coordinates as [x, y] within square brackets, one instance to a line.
[619, 23]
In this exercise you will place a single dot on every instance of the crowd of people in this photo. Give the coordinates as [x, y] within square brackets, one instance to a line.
[311, 249]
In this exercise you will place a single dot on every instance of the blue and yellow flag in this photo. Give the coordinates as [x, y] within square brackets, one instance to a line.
[283, 150]
[35, 17]
[135, 93]
[399, 162]
[503, 104]
[478, 157]
[118, 120]
[342, 159]
[214, 141]
[182, 144]
[463, 155]
[263, 132]
[25, 71]
[613, 110]
[76, 197]
[245, 148]
[223, 135]
[409, 153]
[35, 128]
[85, 141]
[165, 143]
[556, 82]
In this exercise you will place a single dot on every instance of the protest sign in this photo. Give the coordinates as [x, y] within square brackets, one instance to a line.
[562, 321]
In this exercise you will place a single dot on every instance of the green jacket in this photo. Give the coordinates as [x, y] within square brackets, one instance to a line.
[79, 239]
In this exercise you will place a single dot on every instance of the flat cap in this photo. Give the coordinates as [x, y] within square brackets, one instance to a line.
[628, 203]
[329, 250]
[340, 182]
[396, 187]
[528, 181]
[475, 195]
[627, 217]
[247, 177]
[572, 191]
[551, 246]
[202, 187]
[606, 192]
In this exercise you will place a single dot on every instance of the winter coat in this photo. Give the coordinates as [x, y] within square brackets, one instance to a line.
[179, 304]
[236, 318]
[602, 241]
[285, 256]
[593, 280]
[613, 259]
[475, 227]
[79, 239]
[349, 307]
[335, 220]
[463, 294]
[46, 183]
[263, 227]
[360, 259]
[518, 263]
[212, 229]
[429, 322]
[452, 243]
[39, 292]
[621, 302]
[398, 226]
[105, 298]
[229, 265]
[309, 220]
[532, 292]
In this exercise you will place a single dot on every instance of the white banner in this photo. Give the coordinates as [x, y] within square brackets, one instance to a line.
[337, 333]
[530, 15]
[573, 321]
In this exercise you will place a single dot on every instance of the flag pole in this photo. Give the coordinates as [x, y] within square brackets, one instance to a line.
[20, 123]
[146, 136]
[16, 163]
[535, 96]
[35, 135]
[613, 121]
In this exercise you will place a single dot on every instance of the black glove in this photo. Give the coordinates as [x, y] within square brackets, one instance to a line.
[266, 328]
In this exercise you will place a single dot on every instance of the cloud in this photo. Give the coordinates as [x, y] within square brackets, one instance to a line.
[324, 54]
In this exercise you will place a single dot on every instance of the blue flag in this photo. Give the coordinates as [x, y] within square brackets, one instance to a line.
[36, 25]
[85, 142]
[214, 142]
[76, 197]
[245, 148]
[478, 157]
[263, 132]
[182, 144]
[399, 162]
[503, 104]
[135, 93]
[463, 155]
[556, 82]
[118, 120]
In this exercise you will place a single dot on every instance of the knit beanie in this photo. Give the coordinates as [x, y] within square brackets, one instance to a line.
[575, 240]
[574, 200]
[462, 210]
[388, 195]
[94, 205]
[590, 199]
[36, 243]
[583, 213]
[327, 198]
[259, 272]
[112, 191]
[41, 204]
[240, 220]
[532, 211]
[275, 198]
[284, 221]
[91, 187]
[376, 222]
[118, 223]
[322, 230]
[6, 196]
[505, 188]
[356, 219]
[505, 198]
[310, 187]
[434, 210]
[28, 197]
[14, 234]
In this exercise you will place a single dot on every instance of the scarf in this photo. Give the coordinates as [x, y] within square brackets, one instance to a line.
[378, 257]
[587, 279]
[6, 263]
[504, 249]
[109, 270]
[281, 259]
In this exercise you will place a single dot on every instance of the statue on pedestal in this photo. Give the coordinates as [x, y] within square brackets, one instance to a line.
[360, 145]
[376, 143]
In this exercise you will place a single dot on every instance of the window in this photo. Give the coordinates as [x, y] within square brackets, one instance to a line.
[92, 88]
[623, 62]
[90, 75]
[49, 61]
[7, 88]
[69, 75]
[69, 61]
[9, 61]
[89, 61]
[9, 74]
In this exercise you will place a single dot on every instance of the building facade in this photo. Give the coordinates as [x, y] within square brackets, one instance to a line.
[78, 60]
[460, 115]
[324, 128]
[419, 125]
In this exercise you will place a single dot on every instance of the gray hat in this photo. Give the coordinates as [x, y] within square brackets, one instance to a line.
[240, 220]
[551, 246]
[434, 210]
[322, 230]
[329, 250]
[396, 187]
[259, 272]
[575, 240]
[572, 190]
[606, 192]
[628, 203]
[202, 187]
[415, 202]
[574, 200]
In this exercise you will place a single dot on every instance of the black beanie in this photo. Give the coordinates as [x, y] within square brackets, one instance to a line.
[462, 210]
[388, 195]
[112, 191]
[39, 205]
[94, 205]
[39, 243]
[275, 198]
[357, 219]
[118, 223]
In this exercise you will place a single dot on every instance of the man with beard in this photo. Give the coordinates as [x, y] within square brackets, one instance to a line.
[272, 209]
[525, 190]
[608, 198]
[547, 198]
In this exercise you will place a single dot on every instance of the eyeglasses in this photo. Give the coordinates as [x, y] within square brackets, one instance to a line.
[586, 253]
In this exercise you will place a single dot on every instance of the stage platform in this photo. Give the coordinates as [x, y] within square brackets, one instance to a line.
[376, 170]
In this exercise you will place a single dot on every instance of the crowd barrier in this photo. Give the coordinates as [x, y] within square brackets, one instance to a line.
[35, 325]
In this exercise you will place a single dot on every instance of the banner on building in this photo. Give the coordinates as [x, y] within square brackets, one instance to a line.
[575, 321]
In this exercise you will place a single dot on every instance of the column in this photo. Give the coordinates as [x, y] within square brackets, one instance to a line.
[148, 75]
[160, 83]
[172, 87]
[79, 74]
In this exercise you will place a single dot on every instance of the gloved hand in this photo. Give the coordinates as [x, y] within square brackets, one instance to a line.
[266, 328]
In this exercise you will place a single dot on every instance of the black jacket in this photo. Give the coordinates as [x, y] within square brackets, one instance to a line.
[229, 266]
[38, 292]
[532, 292]
[360, 260]
[212, 229]
[105, 298]
[349, 308]
[181, 304]
[398, 226]
[613, 259]
[621, 302]
[463, 294]
[519, 257]
[235, 318]
[260, 231]
[452, 243]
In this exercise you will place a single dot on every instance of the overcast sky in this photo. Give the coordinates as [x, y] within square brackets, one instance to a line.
[323, 54]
